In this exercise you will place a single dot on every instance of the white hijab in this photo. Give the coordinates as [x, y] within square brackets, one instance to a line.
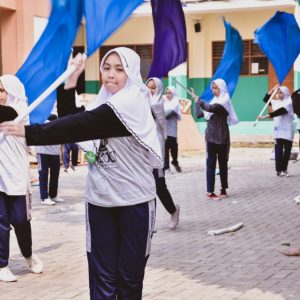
[287, 103]
[173, 103]
[224, 100]
[16, 97]
[276, 104]
[159, 90]
[132, 104]
[157, 107]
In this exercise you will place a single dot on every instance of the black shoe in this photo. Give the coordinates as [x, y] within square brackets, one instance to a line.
[177, 167]
[223, 193]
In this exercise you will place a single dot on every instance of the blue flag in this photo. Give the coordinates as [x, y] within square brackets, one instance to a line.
[230, 65]
[279, 39]
[49, 57]
[170, 37]
[103, 18]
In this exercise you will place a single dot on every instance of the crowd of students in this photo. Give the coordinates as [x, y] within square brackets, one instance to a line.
[127, 133]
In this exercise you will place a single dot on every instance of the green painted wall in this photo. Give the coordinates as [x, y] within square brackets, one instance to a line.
[247, 98]
[165, 81]
[247, 101]
[92, 86]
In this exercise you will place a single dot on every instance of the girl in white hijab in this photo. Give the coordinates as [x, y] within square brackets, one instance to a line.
[223, 99]
[157, 107]
[120, 188]
[173, 115]
[281, 110]
[219, 113]
[14, 181]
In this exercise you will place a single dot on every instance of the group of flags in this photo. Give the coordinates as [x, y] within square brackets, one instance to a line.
[279, 39]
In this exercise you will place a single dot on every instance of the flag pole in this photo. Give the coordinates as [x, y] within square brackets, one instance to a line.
[70, 70]
[185, 88]
[266, 105]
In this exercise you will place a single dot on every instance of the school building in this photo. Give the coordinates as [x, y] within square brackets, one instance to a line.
[22, 22]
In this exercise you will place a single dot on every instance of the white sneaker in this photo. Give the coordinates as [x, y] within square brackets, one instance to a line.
[35, 265]
[6, 275]
[47, 202]
[287, 174]
[57, 199]
[297, 199]
[174, 219]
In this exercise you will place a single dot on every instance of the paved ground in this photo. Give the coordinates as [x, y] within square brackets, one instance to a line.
[186, 263]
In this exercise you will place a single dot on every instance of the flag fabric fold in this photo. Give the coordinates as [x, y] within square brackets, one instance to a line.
[49, 57]
[103, 18]
[279, 39]
[231, 62]
[170, 37]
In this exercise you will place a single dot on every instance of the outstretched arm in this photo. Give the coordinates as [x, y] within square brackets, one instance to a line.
[98, 123]
[202, 105]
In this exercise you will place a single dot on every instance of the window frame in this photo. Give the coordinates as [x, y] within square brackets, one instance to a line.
[248, 43]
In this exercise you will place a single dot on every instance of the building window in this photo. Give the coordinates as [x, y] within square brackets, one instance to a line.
[144, 51]
[254, 61]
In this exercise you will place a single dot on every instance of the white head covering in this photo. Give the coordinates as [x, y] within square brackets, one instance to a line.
[159, 90]
[16, 97]
[131, 104]
[286, 102]
[173, 103]
[224, 100]
[157, 107]
[285, 91]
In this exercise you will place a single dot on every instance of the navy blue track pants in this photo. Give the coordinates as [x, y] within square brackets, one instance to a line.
[13, 211]
[214, 152]
[118, 246]
[48, 187]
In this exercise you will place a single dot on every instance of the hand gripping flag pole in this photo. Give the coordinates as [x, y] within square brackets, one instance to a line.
[70, 70]
[264, 108]
[35, 103]
[190, 92]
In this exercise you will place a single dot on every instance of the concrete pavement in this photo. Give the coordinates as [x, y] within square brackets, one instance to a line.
[186, 263]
